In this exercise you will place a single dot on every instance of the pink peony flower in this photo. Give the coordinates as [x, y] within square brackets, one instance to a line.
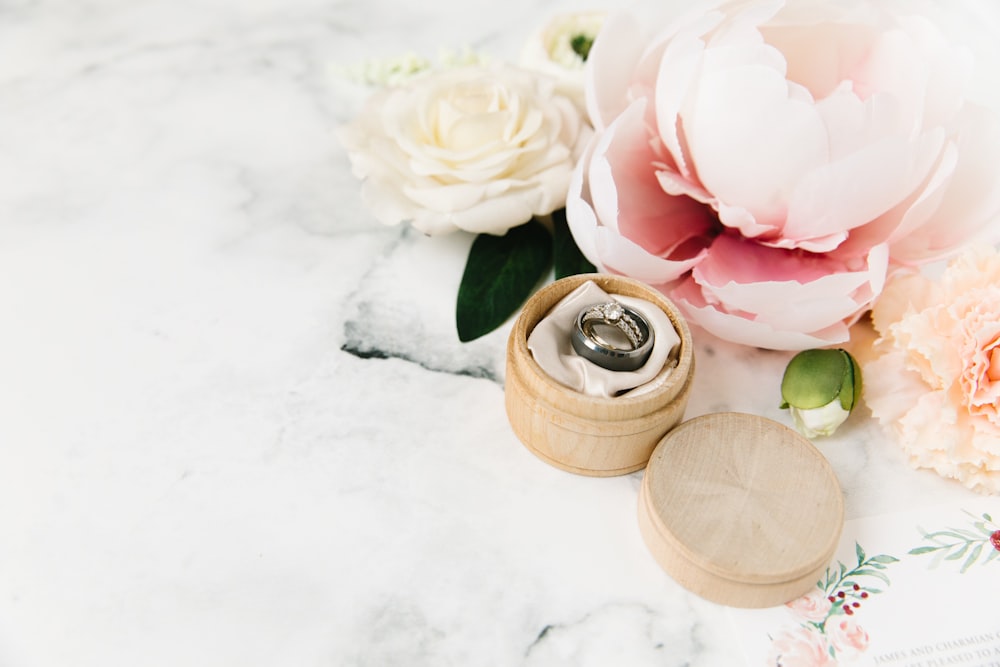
[849, 639]
[802, 646]
[934, 376]
[814, 606]
[765, 162]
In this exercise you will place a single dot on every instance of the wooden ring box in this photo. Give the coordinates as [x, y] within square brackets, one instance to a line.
[590, 435]
[738, 509]
[741, 510]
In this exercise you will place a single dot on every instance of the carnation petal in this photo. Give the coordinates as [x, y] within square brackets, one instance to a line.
[904, 291]
[889, 389]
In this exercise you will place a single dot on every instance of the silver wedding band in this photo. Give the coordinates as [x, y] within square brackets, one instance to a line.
[613, 336]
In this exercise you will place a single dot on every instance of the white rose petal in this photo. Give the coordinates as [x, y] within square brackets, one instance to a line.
[550, 49]
[472, 148]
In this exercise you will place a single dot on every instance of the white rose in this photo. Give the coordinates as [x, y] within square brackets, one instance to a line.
[560, 47]
[472, 148]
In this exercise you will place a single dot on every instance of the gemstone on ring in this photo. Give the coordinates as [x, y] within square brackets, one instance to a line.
[626, 342]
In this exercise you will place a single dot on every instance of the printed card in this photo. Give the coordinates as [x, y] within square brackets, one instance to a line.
[914, 589]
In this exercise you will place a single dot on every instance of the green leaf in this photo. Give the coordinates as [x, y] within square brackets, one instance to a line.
[500, 273]
[973, 556]
[884, 559]
[922, 550]
[946, 533]
[873, 573]
[568, 259]
[860, 553]
[987, 517]
[969, 534]
[955, 555]
[993, 555]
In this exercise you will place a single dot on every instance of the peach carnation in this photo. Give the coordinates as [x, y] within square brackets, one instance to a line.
[934, 378]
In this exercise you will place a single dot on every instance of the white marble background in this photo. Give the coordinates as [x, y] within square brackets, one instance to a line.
[236, 426]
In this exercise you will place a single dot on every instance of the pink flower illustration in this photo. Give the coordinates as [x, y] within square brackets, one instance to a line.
[769, 191]
[803, 646]
[849, 639]
[813, 606]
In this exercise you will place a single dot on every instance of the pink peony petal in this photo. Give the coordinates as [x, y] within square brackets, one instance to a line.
[823, 44]
[971, 201]
[912, 213]
[620, 255]
[743, 329]
[580, 216]
[615, 51]
[675, 78]
[754, 157]
[845, 194]
[627, 196]
[789, 289]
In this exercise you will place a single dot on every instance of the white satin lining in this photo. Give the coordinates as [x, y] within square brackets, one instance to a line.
[550, 345]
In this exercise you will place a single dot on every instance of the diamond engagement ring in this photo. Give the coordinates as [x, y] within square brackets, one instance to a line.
[613, 336]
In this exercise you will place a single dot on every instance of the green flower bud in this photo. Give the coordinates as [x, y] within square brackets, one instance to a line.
[820, 388]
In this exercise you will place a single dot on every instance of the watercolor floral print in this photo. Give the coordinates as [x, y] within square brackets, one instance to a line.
[828, 629]
[980, 543]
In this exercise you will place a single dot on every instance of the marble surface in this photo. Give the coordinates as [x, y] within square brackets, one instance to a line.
[236, 424]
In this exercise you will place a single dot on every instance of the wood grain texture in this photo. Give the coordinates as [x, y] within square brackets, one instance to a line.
[590, 435]
[741, 510]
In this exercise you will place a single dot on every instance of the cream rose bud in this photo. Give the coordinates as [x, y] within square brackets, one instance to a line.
[820, 388]
[560, 49]
[472, 148]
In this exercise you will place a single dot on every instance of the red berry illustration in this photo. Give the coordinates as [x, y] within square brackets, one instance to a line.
[864, 594]
[995, 539]
[848, 610]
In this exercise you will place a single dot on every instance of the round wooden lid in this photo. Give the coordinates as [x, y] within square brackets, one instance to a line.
[741, 509]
